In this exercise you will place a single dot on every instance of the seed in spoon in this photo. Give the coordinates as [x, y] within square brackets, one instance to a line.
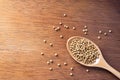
[82, 50]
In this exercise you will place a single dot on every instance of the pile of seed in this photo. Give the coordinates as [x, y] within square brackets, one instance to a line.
[83, 50]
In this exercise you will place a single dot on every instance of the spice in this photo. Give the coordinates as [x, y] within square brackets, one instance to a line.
[100, 32]
[105, 34]
[48, 62]
[64, 15]
[85, 33]
[42, 53]
[74, 28]
[57, 28]
[85, 26]
[65, 63]
[60, 23]
[65, 26]
[56, 55]
[51, 44]
[110, 31]
[71, 74]
[44, 41]
[51, 61]
[71, 69]
[61, 36]
[83, 50]
[59, 65]
[99, 37]
[87, 70]
[51, 69]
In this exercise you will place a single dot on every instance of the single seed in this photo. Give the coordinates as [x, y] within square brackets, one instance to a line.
[85, 26]
[110, 31]
[87, 70]
[64, 15]
[54, 27]
[57, 28]
[44, 41]
[105, 34]
[56, 55]
[59, 65]
[48, 62]
[67, 27]
[51, 69]
[99, 37]
[71, 74]
[42, 53]
[71, 69]
[51, 61]
[74, 28]
[61, 36]
[65, 63]
[100, 32]
[51, 44]
[60, 23]
[85, 33]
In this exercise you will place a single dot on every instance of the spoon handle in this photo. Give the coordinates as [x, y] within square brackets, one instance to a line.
[111, 69]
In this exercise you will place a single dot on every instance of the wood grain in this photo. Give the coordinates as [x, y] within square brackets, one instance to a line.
[24, 24]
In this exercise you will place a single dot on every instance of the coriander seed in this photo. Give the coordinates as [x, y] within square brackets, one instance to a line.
[42, 53]
[85, 26]
[110, 31]
[71, 74]
[59, 65]
[64, 15]
[48, 62]
[87, 70]
[44, 41]
[71, 69]
[61, 36]
[100, 32]
[51, 69]
[65, 63]
[51, 61]
[51, 44]
[60, 23]
[74, 28]
[105, 34]
[56, 55]
[99, 37]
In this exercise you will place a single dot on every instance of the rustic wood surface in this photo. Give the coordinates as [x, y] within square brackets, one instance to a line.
[24, 24]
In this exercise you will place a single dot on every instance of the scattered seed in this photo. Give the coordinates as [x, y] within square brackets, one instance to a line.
[67, 27]
[105, 34]
[71, 74]
[57, 28]
[51, 61]
[87, 70]
[59, 65]
[64, 15]
[99, 37]
[100, 32]
[71, 69]
[60, 23]
[61, 36]
[85, 33]
[56, 55]
[42, 53]
[54, 27]
[65, 63]
[44, 41]
[48, 62]
[110, 31]
[74, 28]
[85, 26]
[51, 69]
[51, 44]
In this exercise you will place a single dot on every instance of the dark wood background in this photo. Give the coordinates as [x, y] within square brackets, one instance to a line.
[24, 24]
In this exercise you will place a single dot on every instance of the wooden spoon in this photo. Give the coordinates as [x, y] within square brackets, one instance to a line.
[99, 62]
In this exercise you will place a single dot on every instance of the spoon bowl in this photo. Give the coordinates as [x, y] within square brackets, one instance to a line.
[87, 53]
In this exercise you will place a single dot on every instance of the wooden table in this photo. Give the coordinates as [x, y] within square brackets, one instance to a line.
[24, 24]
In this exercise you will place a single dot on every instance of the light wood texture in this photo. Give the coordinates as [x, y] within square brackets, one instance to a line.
[24, 24]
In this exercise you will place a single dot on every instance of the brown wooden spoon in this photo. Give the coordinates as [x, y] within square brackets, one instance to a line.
[99, 62]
